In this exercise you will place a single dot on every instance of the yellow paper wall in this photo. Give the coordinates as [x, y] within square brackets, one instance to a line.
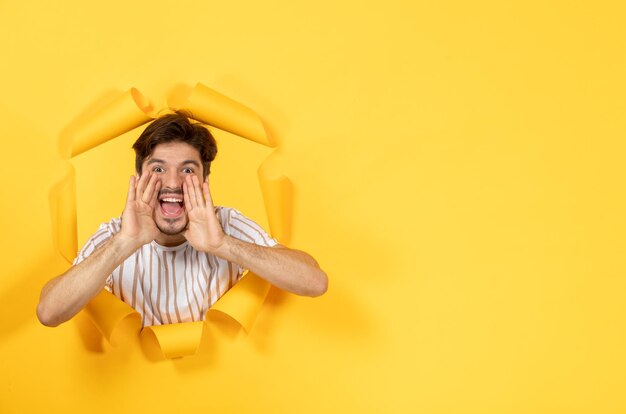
[458, 171]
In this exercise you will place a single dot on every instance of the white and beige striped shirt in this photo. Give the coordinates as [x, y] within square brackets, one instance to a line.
[176, 284]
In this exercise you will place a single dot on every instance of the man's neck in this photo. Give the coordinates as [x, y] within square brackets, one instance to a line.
[170, 240]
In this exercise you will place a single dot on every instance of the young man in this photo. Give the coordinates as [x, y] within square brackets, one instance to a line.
[173, 254]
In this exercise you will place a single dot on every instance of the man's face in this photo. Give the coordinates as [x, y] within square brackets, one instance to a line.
[172, 162]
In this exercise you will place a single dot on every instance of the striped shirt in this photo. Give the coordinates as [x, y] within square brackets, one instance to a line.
[175, 284]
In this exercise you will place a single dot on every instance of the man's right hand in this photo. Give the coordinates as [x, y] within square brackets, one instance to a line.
[138, 226]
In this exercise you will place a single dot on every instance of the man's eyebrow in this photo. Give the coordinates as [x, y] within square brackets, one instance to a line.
[193, 162]
[160, 161]
[155, 161]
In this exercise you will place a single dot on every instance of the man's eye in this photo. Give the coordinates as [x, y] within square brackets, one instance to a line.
[187, 170]
[157, 169]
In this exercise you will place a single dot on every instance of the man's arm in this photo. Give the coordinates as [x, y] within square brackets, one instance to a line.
[292, 270]
[65, 295]
[288, 269]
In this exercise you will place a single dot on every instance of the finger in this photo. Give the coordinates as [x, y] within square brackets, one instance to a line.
[155, 194]
[141, 185]
[146, 196]
[186, 197]
[207, 195]
[191, 192]
[131, 190]
[198, 192]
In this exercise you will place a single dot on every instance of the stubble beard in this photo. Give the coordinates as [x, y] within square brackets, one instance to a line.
[174, 227]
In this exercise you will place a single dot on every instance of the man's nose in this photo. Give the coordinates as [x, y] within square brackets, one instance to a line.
[172, 179]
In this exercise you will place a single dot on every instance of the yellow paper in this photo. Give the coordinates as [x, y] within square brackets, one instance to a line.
[126, 112]
[113, 318]
[244, 300]
[215, 109]
[63, 212]
[173, 340]
[277, 194]
[116, 320]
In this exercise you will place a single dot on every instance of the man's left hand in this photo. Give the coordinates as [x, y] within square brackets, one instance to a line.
[204, 231]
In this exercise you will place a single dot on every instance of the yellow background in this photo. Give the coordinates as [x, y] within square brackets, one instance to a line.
[458, 172]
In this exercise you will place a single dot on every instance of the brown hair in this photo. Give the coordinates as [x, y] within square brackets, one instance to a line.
[176, 127]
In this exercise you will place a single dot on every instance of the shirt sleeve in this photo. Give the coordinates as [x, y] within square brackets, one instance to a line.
[241, 227]
[100, 237]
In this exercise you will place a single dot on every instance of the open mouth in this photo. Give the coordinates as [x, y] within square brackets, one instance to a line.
[172, 206]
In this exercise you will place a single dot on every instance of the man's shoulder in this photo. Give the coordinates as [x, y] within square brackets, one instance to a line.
[112, 226]
[223, 213]
[238, 225]
[226, 215]
[219, 209]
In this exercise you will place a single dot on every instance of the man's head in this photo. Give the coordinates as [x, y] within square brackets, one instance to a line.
[173, 148]
[171, 128]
